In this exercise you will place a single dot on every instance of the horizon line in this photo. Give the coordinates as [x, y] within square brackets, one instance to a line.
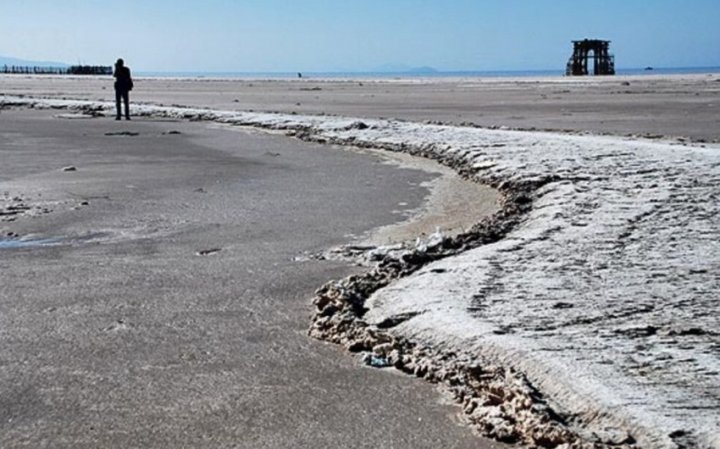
[437, 71]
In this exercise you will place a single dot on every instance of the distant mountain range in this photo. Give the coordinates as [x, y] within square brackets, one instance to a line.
[6, 60]
[402, 68]
[385, 68]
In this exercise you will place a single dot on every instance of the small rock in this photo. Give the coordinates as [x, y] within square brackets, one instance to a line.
[69, 168]
[614, 437]
[208, 252]
[382, 350]
[357, 125]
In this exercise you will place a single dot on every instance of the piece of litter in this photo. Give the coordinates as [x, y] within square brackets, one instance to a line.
[375, 361]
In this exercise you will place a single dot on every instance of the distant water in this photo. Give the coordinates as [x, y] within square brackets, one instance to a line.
[426, 74]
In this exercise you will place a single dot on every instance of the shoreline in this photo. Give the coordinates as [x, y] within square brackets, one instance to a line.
[685, 108]
[442, 77]
[489, 170]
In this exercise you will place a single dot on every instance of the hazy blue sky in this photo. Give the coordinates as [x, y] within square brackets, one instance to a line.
[340, 35]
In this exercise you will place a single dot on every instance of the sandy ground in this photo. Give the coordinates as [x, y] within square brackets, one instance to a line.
[163, 305]
[677, 106]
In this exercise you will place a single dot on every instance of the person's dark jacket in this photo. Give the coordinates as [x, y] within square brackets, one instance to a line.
[123, 81]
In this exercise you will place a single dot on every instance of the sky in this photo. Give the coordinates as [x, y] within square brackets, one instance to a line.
[357, 35]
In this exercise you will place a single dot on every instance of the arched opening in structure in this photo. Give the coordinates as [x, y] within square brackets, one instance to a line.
[591, 56]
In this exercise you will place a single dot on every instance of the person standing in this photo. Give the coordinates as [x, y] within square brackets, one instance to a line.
[123, 86]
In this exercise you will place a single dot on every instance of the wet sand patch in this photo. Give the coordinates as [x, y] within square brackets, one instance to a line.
[454, 205]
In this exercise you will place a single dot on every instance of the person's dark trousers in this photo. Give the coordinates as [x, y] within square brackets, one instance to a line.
[124, 96]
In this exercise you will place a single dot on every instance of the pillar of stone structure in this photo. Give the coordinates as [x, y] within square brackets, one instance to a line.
[599, 51]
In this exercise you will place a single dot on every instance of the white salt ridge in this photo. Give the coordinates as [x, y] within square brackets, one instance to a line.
[605, 296]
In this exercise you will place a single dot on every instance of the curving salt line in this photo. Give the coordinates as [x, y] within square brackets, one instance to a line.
[605, 296]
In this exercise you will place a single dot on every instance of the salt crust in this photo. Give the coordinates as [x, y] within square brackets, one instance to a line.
[605, 296]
